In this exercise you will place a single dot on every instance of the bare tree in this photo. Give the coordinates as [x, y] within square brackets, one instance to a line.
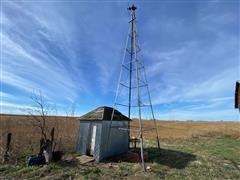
[39, 113]
[51, 136]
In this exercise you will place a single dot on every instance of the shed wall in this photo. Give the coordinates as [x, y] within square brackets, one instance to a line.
[118, 139]
[84, 137]
[98, 140]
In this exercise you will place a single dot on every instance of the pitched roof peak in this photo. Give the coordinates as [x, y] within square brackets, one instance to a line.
[104, 113]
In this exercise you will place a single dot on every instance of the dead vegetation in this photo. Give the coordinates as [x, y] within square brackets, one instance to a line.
[188, 129]
[37, 130]
[25, 137]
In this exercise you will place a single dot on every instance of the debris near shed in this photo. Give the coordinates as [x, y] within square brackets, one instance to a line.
[134, 142]
[46, 153]
[84, 159]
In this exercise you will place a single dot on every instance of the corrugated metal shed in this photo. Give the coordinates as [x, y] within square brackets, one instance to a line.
[94, 133]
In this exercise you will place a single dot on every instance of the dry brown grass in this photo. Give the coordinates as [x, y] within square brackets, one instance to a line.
[26, 137]
[187, 129]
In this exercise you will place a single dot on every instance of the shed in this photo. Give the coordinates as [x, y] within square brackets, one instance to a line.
[98, 138]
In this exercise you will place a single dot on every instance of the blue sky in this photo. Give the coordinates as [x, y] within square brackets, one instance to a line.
[71, 51]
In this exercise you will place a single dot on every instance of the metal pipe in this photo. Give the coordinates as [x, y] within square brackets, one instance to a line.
[138, 91]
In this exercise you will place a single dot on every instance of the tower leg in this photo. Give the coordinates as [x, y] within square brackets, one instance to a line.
[142, 154]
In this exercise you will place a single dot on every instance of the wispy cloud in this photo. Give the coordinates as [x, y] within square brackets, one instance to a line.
[15, 105]
[6, 95]
[32, 61]
[194, 68]
[213, 115]
[191, 53]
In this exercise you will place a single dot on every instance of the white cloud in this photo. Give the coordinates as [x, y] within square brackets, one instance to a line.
[29, 65]
[215, 87]
[14, 105]
[213, 115]
[6, 95]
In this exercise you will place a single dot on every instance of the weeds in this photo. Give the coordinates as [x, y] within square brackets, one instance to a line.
[202, 158]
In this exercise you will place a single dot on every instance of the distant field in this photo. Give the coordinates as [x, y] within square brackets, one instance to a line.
[26, 137]
[188, 129]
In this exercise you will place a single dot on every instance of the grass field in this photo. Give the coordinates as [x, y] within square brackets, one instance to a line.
[195, 158]
[189, 150]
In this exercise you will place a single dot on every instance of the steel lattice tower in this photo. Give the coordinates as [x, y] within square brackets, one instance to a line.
[133, 80]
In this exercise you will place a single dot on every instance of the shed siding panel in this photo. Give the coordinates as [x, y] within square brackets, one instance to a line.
[118, 139]
[83, 137]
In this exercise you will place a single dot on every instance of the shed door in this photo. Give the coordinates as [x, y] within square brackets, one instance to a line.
[93, 138]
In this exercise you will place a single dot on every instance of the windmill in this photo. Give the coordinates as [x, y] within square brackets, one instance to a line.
[133, 84]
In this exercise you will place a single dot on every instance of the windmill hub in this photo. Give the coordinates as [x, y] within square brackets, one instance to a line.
[133, 8]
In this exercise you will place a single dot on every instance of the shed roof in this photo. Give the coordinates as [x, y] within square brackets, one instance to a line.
[104, 113]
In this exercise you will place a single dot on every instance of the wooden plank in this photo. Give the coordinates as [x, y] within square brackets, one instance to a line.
[85, 159]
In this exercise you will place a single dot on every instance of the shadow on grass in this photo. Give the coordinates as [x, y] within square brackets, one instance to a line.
[167, 157]
[170, 158]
